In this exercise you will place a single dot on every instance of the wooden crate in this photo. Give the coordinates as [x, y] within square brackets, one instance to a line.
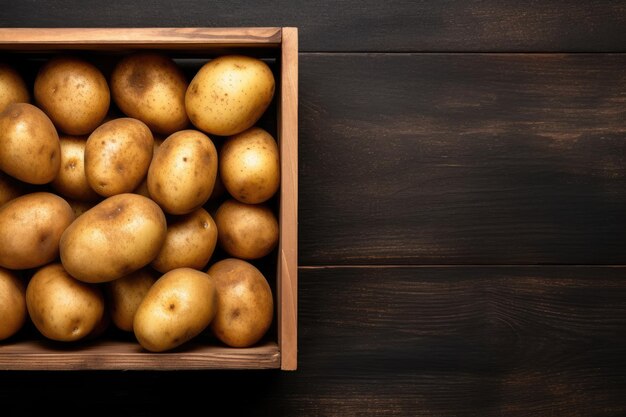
[278, 43]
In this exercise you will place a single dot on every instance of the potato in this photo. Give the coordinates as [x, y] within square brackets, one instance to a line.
[246, 231]
[179, 306]
[29, 144]
[10, 188]
[71, 181]
[117, 156]
[61, 307]
[229, 94]
[151, 88]
[142, 189]
[125, 295]
[182, 173]
[250, 166]
[73, 93]
[244, 303]
[12, 304]
[190, 242]
[12, 87]
[30, 229]
[118, 236]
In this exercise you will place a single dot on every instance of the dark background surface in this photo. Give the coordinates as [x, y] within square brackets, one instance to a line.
[462, 213]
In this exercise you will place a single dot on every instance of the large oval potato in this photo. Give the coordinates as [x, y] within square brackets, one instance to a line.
[246, 231]
[73, 93]
[245, 307]
[71, 181]
[61, 307]
[229, 94]
[190, 242]
[12, 304]
[30, 229]
[29, 144]
[250, 166]
[150, 87]
[126, 294]
[182, 174]
[117, 156]
[118, 236]
[12, 87]
[179, 306]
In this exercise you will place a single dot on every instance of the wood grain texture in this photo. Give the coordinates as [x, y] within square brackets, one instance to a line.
[369, 25]
[462, 159]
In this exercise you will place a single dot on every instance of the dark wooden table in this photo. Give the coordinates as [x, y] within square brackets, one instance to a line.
[462, 213]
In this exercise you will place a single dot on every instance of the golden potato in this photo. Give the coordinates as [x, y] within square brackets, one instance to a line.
[190, 242]
[61, 307]
[179, 306]
[12, 87]
[29, 144]
[182, 173]
[118, 236]
[117, 156]
[30, 229]
[250, 166]
[80, 207]
[150, 87]
[71, 181]
[229, 94]
[125, 295]
[73, 93]
[12, 304]
[244, 303]
[10, 188]
[246, 231]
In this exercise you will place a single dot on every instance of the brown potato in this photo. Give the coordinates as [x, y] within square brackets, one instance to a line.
[182, 173]
[125, 295]
[229, 94]
[73, 93]
[246, 231]
[71, 180]
[250, 166]
[179, 306]
[190, 242]
[29, 144]
[117, 156]
[12, 304]
[12, 87]
[244, 303]
[30, 229]
[10, 188]
[61, 307]
[118, 236]
[150, 87]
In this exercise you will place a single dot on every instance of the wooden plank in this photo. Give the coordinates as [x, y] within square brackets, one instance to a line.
[462, 159]
[367, 25]
[288, 246]
[39, 354]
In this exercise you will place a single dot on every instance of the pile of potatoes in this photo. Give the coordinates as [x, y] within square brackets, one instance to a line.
[102, 218]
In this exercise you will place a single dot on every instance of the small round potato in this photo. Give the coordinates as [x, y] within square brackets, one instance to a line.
[179, 306]
[29, 144]
[151, 88]
[12, 304]
[250, 166]
[190, 242]
[246, 231]
[74, 93]
[117, 156]
[30, 229]
[10, 188]
[125, 295]
[244, 303]
[71, 180]
[182, 173]
[61, 307]
[12, 87]
[118, 236]
[229, 94]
